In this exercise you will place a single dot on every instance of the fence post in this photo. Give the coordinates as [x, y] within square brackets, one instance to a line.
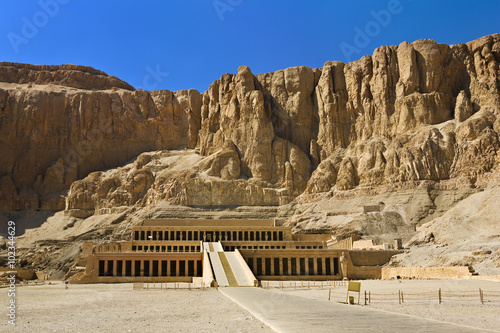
[399, 296]
[369, 297]
[329, 293]
[481, 296]
[365, 297]
[439, 295]
[402, 297]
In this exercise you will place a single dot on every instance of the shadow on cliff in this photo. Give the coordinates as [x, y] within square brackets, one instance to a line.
[23, 220]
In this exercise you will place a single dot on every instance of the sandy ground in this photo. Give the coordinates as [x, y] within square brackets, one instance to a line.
[460, 299]
[119, 308]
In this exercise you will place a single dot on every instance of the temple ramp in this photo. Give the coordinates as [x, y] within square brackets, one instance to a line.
[217, 247]
[219, 272]
[229, 268]
[242, 273]
[231, 278]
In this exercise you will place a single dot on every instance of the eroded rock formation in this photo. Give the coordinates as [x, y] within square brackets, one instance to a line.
[416, 112]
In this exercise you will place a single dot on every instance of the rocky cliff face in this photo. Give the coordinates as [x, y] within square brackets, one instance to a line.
[52, 135]
[413, 114]
[81, 77]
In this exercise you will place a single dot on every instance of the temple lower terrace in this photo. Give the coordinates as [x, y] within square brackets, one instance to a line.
[223, 253]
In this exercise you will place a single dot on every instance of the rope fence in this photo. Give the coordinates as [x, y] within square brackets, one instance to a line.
[302, 284]
[337, 291]
[169, 285]
[438, 296]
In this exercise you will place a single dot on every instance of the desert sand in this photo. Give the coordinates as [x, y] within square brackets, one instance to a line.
[460, 299]
[119, 308]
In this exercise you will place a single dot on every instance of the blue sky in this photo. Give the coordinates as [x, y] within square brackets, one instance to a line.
[182, 44]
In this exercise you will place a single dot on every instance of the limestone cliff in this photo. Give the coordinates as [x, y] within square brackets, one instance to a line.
[52, 135]
[413, 114]
[82, 77]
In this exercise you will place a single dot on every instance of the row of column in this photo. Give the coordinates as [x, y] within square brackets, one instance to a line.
[166, 248]
[254, 247]
[279, 266]
[150, 268]
[208, 236]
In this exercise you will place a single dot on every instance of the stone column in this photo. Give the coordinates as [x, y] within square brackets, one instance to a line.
[142, 268]
[114, 267]
[343, 265]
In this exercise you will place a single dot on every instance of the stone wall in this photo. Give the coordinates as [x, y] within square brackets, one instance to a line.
[460, 272]
[364, 272]
[371, 257]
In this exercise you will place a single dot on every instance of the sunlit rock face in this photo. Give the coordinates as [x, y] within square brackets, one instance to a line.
[71, 137]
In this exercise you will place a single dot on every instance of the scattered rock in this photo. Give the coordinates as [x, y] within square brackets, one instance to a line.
[429, 238]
